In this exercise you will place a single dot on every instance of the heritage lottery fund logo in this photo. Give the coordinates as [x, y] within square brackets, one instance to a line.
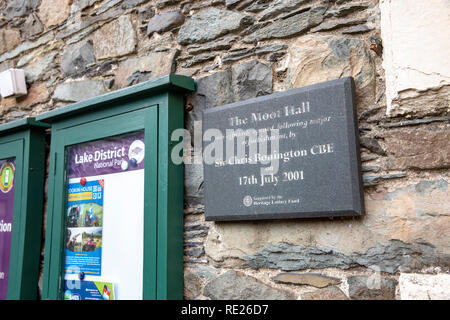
[247, 201]
[7, 177]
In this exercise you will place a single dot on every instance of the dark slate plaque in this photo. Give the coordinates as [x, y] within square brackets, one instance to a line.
[313, 171]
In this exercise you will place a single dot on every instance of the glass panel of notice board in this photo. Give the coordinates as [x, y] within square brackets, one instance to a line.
[105, 218]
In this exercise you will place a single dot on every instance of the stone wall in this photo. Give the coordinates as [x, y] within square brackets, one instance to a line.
[239, 49]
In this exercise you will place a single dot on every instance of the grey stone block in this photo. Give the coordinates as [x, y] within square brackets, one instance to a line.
[210, 24]
[79, 90]
[165, 22]
[235, 286]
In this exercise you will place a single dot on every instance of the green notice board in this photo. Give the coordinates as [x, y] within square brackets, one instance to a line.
[22, 165]
[115, 213]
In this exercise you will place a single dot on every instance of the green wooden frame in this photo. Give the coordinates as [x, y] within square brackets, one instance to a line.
[157, 106]
[25, 141]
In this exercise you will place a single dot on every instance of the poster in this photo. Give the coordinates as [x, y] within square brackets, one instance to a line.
[7, 182]
[104, 213]
[88, 290]
[84, 227]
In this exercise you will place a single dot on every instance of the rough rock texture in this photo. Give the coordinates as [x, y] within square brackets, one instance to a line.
[18, 8]
[347, 8]
[37, 69]
[80, 5]
[291, 26]
[199, 59]
[35, 54]
[165, 21]
[193, 286]
[330, 293]
[210, 24]
[357, 29]
[236, 286]
[155, 65]
[213, 46]
[36, 94]
[415, 211]
[313, 59]
[9, 39]
[279, 7]
[52, 14]
[193, 183]
[251, 79]
[388, 258]
[328, 26]
[372, 145]
[311, 279]
[371, 288]
[374, 179]
[77, 57]
[25, 46]
[32, 26]
[419, 148]
[115, 39]
[79, 90]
